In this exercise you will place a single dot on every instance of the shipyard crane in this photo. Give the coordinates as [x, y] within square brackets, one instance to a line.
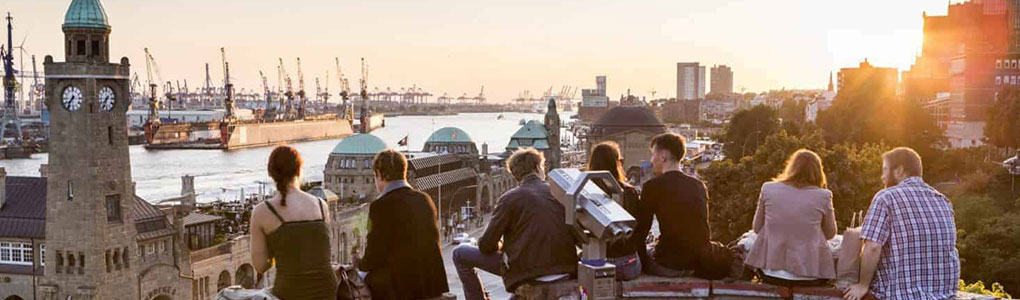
[168, 94]
[150, 69]
[228, 88]
[301, 91]
[10, 115]
[208, 89]
[290, 89]
[318, 90]
[345, 89]
[265, 89]
[364, 93]
[325, 95]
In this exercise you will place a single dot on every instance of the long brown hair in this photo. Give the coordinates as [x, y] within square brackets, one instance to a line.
[284, 167]
[803, 168]
[605, 156]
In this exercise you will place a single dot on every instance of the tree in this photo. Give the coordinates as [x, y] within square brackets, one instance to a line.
[793, 111]
[1003, 124]
[747, 130]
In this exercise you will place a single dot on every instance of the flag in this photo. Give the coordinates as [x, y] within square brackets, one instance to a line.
[403, 141]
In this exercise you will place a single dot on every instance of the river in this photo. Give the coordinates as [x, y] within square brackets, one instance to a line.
[223, 174]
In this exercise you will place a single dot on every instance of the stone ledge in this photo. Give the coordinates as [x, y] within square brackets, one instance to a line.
[653, 287]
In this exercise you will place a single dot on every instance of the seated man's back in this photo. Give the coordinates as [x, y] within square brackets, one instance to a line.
[915, 225]
[679, 202]
[536, 239]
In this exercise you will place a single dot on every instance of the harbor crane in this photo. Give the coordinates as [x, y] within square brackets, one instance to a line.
[301, 90]
[265, 90]
[345, 89]
[228, 88]
[150, 69]
[290, 89]
[325, 95]
[10, 115]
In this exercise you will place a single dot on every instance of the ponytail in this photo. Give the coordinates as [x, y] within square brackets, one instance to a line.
[284, 167]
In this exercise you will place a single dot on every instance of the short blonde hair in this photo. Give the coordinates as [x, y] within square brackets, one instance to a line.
[803, 168]
[906, 158]
[525, 161]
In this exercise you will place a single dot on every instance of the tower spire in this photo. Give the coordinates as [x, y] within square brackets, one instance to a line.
[830, 81]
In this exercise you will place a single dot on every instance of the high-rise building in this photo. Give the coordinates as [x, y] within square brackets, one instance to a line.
[722, 80]
[690, 81]
[594, 102]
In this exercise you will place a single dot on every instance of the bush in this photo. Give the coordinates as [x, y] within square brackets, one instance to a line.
[979, 288]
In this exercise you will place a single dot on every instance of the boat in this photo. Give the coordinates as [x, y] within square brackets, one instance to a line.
[499, 117]
[233, 134]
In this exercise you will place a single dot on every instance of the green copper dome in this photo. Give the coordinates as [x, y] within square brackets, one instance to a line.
[449, 135]
[360, 144]
[85, 14]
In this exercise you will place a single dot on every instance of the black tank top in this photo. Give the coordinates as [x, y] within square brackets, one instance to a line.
[301, 251]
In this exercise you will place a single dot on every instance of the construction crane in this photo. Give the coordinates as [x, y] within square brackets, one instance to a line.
[228, 88]
[150, 69]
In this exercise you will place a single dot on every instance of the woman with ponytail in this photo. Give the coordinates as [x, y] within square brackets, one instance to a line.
[289, 230]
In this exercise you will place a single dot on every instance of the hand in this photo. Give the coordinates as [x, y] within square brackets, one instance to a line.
[855, 292]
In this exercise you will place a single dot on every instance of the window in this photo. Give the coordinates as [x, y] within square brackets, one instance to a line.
[42, 254]
[113, 208]
[16, 253]
[162, 246]
[70, 190]
[150, 249]
[109, 134]
[998, 80]
[109, 261]
[80, 47]
[998, 64]
[95, 48]
[125, 258]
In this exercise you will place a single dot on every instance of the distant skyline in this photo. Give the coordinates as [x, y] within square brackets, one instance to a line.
[458, 46]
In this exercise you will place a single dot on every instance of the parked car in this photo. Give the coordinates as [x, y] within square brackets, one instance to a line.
[463, 238]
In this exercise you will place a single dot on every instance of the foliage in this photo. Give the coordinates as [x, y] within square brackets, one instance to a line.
[793, 111]
[747, 130]
[870, 115]
[853, 173]
[1003, 124]
[979, 288]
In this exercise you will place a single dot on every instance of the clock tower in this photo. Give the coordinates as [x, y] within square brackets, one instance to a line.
[91, 251]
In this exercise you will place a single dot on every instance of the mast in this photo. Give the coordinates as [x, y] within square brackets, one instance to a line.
[10, 116]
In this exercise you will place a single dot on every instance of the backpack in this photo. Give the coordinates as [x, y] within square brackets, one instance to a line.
[350, 285]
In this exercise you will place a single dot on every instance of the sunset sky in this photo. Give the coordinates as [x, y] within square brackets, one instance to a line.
[507, 46]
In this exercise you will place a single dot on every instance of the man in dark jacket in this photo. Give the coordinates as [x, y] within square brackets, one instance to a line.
[402, 255]
[536, 241]
[680, 203]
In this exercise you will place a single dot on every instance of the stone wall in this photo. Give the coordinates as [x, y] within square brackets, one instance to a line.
[16, 285]
[209, 265]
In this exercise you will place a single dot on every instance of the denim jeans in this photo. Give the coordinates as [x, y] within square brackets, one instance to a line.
[627, 267]
[466, 258]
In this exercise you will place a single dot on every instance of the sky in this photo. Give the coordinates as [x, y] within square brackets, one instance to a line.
[456, 47]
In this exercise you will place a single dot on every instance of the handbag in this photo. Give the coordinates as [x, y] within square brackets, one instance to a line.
[848, 261]
[350, 286]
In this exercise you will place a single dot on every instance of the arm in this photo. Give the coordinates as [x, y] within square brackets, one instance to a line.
[829, 220]
[502, 215]
[259, 251]
[875, 233]
[870, 254]
[759, 214]
[644, 215]
[378, 239]
[325, 212]
[703, 194]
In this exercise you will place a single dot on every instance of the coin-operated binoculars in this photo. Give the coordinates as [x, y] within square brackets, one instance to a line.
[598, 220]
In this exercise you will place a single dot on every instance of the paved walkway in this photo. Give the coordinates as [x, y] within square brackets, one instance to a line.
[492, 283]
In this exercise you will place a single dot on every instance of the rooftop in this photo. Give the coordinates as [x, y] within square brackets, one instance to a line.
[86, 14]
[360, 144]
[449, 135]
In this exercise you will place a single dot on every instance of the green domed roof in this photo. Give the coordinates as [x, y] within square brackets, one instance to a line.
[362, 143]
[86, 14]
[449, 135]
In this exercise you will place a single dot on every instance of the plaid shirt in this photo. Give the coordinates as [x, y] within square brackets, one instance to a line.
[914, 224]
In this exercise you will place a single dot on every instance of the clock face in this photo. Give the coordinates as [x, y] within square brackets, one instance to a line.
[106, 98]
[72, 98]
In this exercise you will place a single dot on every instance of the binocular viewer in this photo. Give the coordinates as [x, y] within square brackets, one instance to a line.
[590, 209]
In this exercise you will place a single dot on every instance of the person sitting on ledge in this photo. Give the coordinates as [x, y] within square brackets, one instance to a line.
[402, 253]
[680, 203]
[909, 235]
[537, 243]
[793, 222]
[623, 254]
[290, 228]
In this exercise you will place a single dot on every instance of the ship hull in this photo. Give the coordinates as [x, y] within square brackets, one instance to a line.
[240, 135]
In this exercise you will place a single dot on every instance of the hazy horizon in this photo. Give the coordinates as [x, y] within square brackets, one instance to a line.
[458, 46]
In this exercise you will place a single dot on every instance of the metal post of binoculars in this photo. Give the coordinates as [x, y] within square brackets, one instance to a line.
[598, 220]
